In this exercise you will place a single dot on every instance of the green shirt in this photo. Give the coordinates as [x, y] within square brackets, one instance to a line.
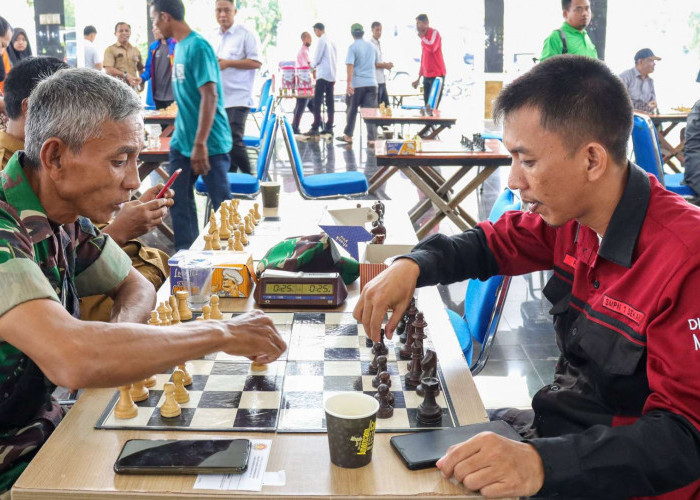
[40, 259]
[577, 42]
[194, 65]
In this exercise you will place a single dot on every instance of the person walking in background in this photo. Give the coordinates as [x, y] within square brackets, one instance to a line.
[239, 57]
[324, 64]
[638, 82]
[432, 64]
[381, 66]
[303, 61]
[158, 71]
[123, 60]
[202, 138]
[19, 47]
[572, 37]
[93, 59]
[361, 64]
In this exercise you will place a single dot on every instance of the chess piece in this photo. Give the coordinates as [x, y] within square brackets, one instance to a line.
[256, 212]
[169, 312]
[253, 220]
[206, 312]
[374, 364]
[171, 408]
[383, 395]
[125, 407]
[182, 307]
[381, 368]
[212, 222]
[163, 313]
[244, 238]
[248, 226]
[215, 311]
[479, 144]
[224, 231]
[181, 394]
[410, 315]
[139, 391]
[401, 327]
[150, 382]
[406, 350]
[258, 367]
[173, 307]
[413, 376]
[428, 366]
[188, 378]
[215, 241]
[154, 319]
[207, 242]
[429, 412]
[419, 327]
[380, 347]
[378, 239]
[237, 242]
[231, 244]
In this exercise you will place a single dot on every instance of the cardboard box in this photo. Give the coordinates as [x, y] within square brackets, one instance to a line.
[234, 274]
[407, 147]
[373, 257]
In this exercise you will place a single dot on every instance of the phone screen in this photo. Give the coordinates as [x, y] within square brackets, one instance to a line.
[195, 456]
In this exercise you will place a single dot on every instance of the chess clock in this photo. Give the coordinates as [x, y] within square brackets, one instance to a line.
[298, 289]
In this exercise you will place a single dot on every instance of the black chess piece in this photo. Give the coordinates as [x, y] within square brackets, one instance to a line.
[413, 376]
[374, 364]
[369, 342]
[429, 412]
[380, 347]
[428, 369]
[383, 395]
[479, 143]
[381, 368]
[383, 377]
[406, 350]
[408, 319]
[419, 327]
[401, 328]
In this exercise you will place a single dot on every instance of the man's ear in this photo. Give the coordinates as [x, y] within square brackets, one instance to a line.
[597, 158]
[52, 152]
[25, 105]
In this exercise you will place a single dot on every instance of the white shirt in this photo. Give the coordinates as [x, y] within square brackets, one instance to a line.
[381, 78]
[92, 55]
[237, 42]
[324, 60]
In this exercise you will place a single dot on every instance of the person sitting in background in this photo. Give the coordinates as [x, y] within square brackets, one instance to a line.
[93, 59]
[19, 47]
[691, 151]
[158, 71]
[640, 85]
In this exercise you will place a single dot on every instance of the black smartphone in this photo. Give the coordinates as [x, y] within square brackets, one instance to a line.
[184, 456]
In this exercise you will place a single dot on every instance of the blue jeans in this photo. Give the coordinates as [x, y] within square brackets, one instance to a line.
[184, 212]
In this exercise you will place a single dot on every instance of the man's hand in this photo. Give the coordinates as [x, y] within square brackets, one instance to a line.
[494, 466]
[138, 217]
[652, 105]
[392, 289]
[350, 90]
[223, 64]
[254, 336]
[200, 159]
[416, 83]
[133, 81]
[389, 65]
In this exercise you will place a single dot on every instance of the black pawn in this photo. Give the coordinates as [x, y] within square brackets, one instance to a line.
[401, 328]
[428, 369]
[381, 368]
[380, 347]
[408, 317]
[384, 396]
[413, 376]
[429, 412]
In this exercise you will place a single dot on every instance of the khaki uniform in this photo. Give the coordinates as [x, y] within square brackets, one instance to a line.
[8, 146]
[124, 58]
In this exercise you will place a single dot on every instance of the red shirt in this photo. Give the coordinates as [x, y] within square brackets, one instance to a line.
[431, 62]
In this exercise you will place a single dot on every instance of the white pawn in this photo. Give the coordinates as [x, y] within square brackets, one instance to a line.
[154, 319]
[244, 238]
[188, 377]
[125, 407]
[181, 394]
[139, 391]
[256, 212]
[173, 307]
[215, 311]
[215, 241]
[237, 242]
[171, 408]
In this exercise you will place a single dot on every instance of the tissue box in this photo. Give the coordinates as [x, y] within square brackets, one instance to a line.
[233, 275]
[407, 147]
[372, 258]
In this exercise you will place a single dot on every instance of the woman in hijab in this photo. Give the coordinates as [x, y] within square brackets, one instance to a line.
[19, 46]
[5, 40]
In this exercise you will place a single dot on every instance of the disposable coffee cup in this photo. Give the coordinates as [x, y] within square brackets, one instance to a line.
[351, 419]
[270, 194]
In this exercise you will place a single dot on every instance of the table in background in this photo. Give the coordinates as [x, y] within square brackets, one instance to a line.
[151, 159]
[432, 125]
[161, 117]
[664, 123]
[77, 460]
[421, 170]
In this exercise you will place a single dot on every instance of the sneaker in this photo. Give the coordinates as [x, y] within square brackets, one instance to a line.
[311, 132]
[344, 138]
[296, 131]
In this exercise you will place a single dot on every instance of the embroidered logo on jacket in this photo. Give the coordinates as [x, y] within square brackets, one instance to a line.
[624, 309]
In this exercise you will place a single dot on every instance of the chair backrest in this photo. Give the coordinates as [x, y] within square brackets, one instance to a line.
[294, 155]
[267, 147]
[645, 141]
[267, 111]
[264, 93]
[435, 92]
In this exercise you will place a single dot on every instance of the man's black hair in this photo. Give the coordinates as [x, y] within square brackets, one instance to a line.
[89, 30]
[319, 26]
[565, 4]
[422, 18]
[4, 26]
[116, 26]
[24, 78]
[375, 24]
[578, 98]
[175, 8]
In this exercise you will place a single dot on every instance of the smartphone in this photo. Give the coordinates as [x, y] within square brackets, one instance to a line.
[169, 183]
[183, 456]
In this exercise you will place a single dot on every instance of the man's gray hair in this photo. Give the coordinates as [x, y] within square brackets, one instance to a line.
[73, 105]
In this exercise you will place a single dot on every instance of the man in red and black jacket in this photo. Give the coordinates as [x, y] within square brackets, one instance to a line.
[622, 416]
[432, 64]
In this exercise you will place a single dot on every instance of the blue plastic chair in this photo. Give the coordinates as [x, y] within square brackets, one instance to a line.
[253, 141]
[246, 185]
[647, 154]
[483, 302]
[264, 94]
[432, 97]
[321, 186]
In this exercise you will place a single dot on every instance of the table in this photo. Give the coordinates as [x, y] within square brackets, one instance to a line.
[420, 169]
[161, 117]
[664, 123]
[432, 125]
[150, 159]
[398, 97]
[77, 460]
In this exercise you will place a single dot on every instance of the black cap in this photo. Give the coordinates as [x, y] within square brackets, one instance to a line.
[644, 53]
[319, 26]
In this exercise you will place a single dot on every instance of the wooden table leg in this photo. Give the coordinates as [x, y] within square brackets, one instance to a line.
[380, 178]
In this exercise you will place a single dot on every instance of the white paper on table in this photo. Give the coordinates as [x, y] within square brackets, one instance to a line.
[250, 480]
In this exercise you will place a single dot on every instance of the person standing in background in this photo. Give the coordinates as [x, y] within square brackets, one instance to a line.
[239, 57]
[572, 37]
[303, 61]
[159, 68]
[93, 59]
[19, 47]
[382, 94]
[123, 60]
[324, 64]
[432, 64]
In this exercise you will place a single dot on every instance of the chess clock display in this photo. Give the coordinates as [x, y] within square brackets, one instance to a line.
[299, 289]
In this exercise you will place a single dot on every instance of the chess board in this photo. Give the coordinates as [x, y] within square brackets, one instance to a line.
[326, 354]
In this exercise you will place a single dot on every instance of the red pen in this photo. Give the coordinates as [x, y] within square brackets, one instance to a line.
[169, 183]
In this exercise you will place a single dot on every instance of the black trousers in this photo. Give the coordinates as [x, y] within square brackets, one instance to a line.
[427, 85]
[324, 88]
[364, 97]
[161, 104]
[239, 155]
[382, 94]
[299, 109]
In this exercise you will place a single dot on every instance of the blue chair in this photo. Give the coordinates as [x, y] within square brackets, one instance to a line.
[321, 186]
[647, 154]
[432, 97]
[483, 302]
[254, 141]
[246, 185]
[264, 94]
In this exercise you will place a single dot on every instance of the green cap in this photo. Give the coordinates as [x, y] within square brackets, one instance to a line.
[356, 28]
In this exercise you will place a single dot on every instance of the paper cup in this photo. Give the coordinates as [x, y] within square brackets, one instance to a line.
[351, 420]
[270, 194]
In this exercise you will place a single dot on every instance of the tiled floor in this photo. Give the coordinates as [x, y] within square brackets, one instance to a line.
[524, 353]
